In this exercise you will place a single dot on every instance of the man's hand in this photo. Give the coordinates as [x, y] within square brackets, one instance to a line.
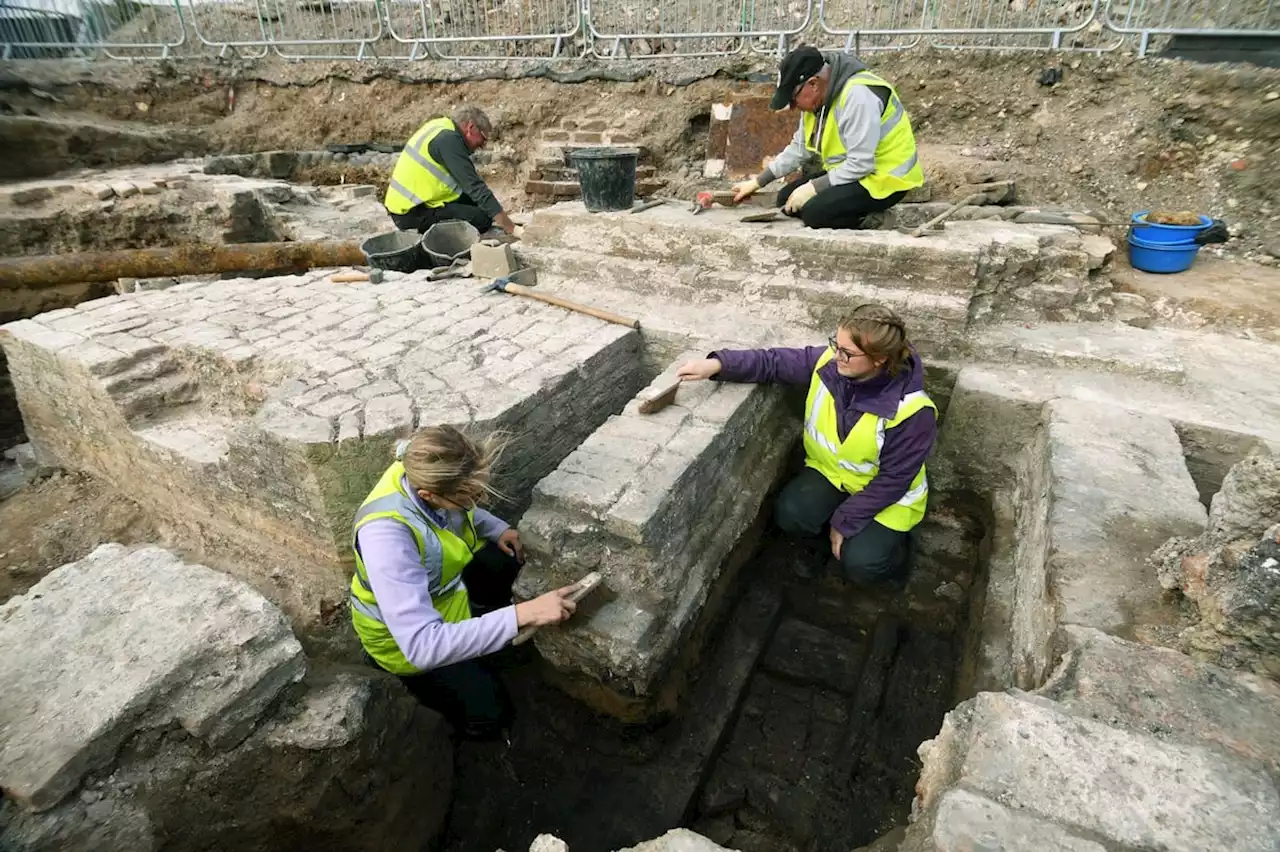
[551, 608]
[837, 543]
[696, 370]
[743, 191]
[509, 543]
[799, 197]
[503, 221]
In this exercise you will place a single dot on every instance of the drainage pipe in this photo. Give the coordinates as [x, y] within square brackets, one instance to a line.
[86, 267]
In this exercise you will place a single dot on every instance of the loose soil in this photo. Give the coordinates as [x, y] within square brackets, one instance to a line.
[59, 520]
[1117, 134]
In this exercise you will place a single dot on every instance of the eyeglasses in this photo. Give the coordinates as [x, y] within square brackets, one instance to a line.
[842, 353]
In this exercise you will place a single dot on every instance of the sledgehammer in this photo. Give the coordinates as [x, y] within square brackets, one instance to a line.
[504, 285]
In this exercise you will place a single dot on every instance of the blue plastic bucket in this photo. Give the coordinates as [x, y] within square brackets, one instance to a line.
[1151, 232]
[1161, 257]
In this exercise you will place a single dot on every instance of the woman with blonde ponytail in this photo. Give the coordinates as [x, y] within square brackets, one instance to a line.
[869, 426]
[432, 586]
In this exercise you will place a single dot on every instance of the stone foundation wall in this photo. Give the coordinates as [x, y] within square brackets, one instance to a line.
[655, 503]
[253, 416]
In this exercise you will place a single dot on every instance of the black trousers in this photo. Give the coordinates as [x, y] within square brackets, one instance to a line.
[843, 206]
[877, 554]
[422, 217]
[470, 694]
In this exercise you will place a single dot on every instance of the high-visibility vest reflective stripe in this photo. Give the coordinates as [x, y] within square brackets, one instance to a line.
[417, 177]
[897, 162]
[388, 499]
[852, 464]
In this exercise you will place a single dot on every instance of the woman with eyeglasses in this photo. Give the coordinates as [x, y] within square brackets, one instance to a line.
[868, 428]
[432, 586]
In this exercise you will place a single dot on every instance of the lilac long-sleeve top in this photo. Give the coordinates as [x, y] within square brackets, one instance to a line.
[401, 582]
[906, 446]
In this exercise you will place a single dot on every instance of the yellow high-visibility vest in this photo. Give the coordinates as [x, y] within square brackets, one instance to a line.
[852, 464]
[897, 162]
[388, 499]
[418, 178]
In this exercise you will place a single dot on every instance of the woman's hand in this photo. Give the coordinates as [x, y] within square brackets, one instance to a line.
[509, 543]
[551, 608]
[695, 370]
[744, 190]
[837, 543]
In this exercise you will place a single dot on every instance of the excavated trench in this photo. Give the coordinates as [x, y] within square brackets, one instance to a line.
[798, 728]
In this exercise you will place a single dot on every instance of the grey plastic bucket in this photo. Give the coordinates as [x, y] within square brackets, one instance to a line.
[397, 251]
[445, 242]
[607, 177]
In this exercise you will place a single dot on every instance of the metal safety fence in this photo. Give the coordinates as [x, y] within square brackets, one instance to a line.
[600, 29]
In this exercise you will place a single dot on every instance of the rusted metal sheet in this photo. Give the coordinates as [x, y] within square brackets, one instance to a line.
[55, 269]
[745, 135]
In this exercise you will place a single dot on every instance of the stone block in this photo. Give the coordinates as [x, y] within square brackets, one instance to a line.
[1107, 486]
[553, 189]
[492, 261]
[126, 640]
[967, 822]
[124, 189]
[1148, 689]
[302, 780]
[1120, 788]
[656, 522]
[136, 397]
[1113, 349]
[30, 195]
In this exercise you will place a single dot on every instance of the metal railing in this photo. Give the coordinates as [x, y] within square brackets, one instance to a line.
[603, 29]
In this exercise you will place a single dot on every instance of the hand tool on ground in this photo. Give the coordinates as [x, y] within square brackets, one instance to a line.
[373, 276]
[648, 205]
[504, 285]
[460, 268]
[660, 399]
[770, 216]
[101, 266]
[703, 201]
[581, 589]
[934, 225]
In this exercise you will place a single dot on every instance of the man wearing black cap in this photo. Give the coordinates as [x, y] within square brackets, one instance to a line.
[854, 142]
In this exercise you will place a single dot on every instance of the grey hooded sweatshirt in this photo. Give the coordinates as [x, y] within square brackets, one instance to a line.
[858, 122]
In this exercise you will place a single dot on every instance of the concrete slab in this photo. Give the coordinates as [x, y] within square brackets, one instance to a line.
[254, 415]
[1123, 788]
[655, 503]
[126, 640]
[1106, 488]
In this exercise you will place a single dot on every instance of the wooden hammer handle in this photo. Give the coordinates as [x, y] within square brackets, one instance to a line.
[607, 316]
[349, 277]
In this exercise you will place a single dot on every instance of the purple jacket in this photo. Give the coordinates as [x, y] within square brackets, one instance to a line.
[905, 447]
[400, 581]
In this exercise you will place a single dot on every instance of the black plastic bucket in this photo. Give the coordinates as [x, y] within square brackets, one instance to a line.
[607, 177]
[446, 242]
[397, 251]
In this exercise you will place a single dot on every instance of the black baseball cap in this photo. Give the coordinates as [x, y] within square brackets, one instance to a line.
[797, 66]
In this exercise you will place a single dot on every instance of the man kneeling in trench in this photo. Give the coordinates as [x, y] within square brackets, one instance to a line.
[869, 425]
[432, 587]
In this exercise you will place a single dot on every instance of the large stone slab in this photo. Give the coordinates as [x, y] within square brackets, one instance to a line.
[320, 772]
[254, 415]
[1161, 691]
[1106, 487]
[1096, 783]
[655, 503]
[126, 640]
[996, 269]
